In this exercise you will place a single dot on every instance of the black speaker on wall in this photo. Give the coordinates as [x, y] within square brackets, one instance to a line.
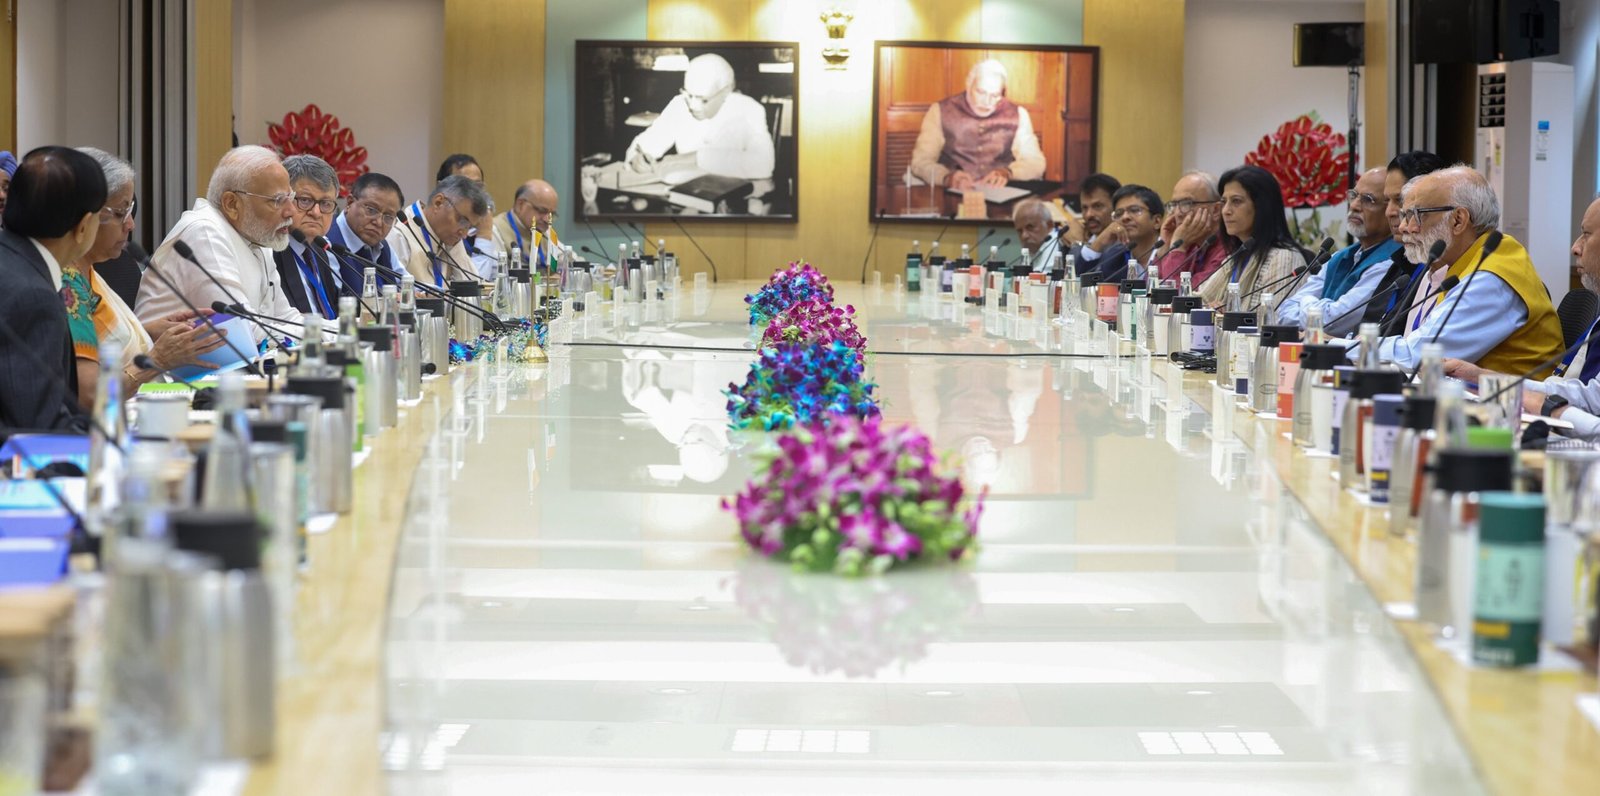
[1483, 31]
[1329, 44]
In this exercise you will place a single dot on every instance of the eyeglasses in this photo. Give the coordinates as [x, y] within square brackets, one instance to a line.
[1415, 214]
[305, 203]
[1356, 200]
[118, 215]
[1132, 211]
[277, 200]
[463, 222]
[702, 99]
[1185, 205]
[371, 211]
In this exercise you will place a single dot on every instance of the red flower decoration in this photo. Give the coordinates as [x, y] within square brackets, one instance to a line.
[312, 132]
[1310, 160]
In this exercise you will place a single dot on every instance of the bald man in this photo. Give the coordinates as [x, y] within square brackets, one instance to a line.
[722, 130]
[530, 225]
[978, 137]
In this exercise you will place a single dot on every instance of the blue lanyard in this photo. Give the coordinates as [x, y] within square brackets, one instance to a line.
[1233, 273]
[427, 240]
[313, 280]
[512, 221]
[1566, 361]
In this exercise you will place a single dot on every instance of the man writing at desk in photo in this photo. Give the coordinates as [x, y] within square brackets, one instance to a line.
[713, 127]
[978, 138]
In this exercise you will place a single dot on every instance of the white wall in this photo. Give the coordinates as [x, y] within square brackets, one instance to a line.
[1239, 81]
[40, 65]
[376, 64]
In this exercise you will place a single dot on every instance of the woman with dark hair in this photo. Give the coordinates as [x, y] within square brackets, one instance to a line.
[1255, 227]
[463, 164]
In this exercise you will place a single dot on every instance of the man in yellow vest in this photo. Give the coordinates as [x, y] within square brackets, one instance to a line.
[1501, 319]
[530, 225]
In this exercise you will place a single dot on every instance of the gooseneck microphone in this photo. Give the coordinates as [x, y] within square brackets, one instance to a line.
[249, 361]
[1545, 364]
[494, 321]
[1488, 248]
[1397, 286]
[433, 259]
[266, 322]
[144, 362]
[351, 288]
[187, 253]
[696, 244]
[1434, 253]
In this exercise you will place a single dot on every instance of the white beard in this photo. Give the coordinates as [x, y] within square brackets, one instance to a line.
[1589, 283]
[1417, 250]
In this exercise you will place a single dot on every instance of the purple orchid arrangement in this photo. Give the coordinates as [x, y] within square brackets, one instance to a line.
[786, 288]
[816, 322]
[796, 383]
[854, 497]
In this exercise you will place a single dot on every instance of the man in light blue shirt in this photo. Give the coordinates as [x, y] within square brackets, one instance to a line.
[1352, 275]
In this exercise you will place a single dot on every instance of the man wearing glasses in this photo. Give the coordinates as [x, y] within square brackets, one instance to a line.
[713, 128]
[364, 226]
[978, 138]
[428, 238]
[1193, 230]
[530, 225]
[306, 274]
[1502, 319]
[246, 215]
[1352, 275]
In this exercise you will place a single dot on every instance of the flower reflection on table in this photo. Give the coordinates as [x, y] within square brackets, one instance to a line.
[857, 627]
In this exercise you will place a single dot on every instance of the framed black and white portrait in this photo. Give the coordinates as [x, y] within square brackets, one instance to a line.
[687, 130]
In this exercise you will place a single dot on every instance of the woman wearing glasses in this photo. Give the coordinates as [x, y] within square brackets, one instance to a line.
[96, 314]
[1254, 225]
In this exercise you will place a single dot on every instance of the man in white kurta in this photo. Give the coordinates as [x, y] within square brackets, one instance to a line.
[724, 130]
[246, 215]
[427, 239]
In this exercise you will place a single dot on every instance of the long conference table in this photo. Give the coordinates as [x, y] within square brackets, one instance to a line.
[538, 592]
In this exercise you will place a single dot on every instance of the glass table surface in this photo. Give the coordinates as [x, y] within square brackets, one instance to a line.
[573, 611]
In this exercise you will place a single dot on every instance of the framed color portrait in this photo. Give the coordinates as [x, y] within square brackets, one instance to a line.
[687, 130]
[965, 131]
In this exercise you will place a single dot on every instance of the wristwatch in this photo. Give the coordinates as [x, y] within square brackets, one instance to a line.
[1551, 404]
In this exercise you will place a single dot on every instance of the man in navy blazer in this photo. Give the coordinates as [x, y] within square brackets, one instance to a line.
[375, 201]
[51, 217]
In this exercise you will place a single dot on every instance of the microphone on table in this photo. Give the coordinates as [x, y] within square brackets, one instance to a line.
[1488, 248]
[187, 253]
[1313, 267]
[1398, 286]
[696, 244]
[264, 321]
[144, 362]
[625, 234]
[340, 250]
[433, 259]
[592, 252]
[322, 243]
[1434, 253]
[249, 362]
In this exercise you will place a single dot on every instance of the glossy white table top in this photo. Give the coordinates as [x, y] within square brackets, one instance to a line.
[573, 613]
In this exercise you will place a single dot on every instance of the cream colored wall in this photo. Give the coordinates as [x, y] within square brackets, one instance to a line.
[494, 62]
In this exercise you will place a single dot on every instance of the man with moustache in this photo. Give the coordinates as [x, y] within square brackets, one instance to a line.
[1404, 168]
[363, 227]
[1502, 319]
[1352, 275]
[1573, 393]
[246, 215]
[1104, 242]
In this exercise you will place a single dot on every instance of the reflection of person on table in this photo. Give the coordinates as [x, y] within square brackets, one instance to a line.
[978, 137]
[723, 131]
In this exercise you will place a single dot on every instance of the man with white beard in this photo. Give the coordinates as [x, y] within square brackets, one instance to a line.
[1573, 393]
[1502, 319]
[1352, 275]
[245, 217]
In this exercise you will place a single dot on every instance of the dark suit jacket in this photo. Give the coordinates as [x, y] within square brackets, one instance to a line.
[351, 272]
[1111, 266]
[1392, 314]
[34, 315]
[295, 288]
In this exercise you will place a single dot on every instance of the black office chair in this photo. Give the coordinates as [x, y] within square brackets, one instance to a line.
[124, 273]
[1577, 312]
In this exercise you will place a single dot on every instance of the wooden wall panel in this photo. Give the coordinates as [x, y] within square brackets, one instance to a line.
[494, 89]
[213, 76]
[8, 84]
[1141, 88]
[1375, 80]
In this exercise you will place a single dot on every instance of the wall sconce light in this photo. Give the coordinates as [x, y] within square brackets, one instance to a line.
[835, 53]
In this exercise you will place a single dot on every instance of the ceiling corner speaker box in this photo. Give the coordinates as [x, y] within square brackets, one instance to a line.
[1329, 44]
[1484, 31]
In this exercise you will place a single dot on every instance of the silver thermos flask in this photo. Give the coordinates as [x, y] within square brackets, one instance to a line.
[1227, 338]
[332, 478]
[468, 324]
[1089, 294]
[1264, 370]
[410, 381]
[1178, 324]
[383, 395]
[1357, 414]
[1316, 368]
[237, 625]
[1447, 535]
[435, 331]
[1158, 320]
[522, 305]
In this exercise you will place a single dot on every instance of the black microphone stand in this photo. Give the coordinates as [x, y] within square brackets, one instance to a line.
[249, 362]
[711, 262]
[187, 253]
[488, 317]
[1488, 248]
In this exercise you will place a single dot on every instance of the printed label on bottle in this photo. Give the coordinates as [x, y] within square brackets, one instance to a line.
[1510, 583]
[1383, 438]
[1202, 338]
